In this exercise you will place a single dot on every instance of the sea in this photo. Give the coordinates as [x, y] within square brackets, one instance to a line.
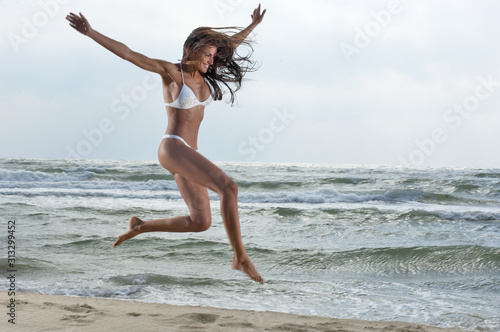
[381, 243]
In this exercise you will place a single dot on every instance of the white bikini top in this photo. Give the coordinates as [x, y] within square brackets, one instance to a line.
[187, 99]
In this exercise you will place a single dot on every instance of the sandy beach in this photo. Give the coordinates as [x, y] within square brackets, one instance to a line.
[41, 312]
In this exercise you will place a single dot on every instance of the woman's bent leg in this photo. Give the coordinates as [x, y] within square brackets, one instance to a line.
[192, 166]
[199, 219]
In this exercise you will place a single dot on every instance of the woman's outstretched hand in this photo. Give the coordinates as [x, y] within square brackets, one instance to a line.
[79, 23]
[257, 16]
[239, 37]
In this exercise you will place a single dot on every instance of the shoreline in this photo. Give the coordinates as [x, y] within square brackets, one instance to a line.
[68, 313]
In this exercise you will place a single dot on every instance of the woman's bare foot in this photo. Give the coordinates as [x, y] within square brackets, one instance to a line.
[247, 267]
[132, 231]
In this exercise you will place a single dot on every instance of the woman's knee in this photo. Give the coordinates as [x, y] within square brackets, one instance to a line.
[227, 187]
[201, 222]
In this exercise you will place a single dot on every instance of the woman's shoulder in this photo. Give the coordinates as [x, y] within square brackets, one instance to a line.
[172, 72]
[169, 67]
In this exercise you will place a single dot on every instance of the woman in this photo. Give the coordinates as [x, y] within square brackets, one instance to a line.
[209, 59]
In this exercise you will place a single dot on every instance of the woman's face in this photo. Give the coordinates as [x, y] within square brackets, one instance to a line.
[207, 58]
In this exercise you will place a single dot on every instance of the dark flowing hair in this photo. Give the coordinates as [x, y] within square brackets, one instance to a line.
[228, 66]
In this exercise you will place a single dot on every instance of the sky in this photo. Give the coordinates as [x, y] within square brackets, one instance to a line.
[393, 82]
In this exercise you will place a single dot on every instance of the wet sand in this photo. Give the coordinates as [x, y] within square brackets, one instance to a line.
[40, 312]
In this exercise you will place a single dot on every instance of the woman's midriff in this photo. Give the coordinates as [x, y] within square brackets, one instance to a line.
[185, 123]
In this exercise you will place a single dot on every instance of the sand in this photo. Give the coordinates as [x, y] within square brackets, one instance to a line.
[41, 312]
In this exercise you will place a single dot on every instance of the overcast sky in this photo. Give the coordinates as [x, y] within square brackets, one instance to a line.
[340, 82]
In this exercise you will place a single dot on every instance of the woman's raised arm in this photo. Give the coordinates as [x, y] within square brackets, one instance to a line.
[257, 17]
[80, 24]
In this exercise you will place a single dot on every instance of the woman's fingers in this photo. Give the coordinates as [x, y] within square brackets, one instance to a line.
[84, 19]
[257, 16]
[72, 16]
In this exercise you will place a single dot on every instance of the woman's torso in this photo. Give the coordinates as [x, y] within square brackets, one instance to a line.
[185, 122]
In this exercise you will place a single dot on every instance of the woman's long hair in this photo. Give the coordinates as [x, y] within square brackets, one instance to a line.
[228, 66]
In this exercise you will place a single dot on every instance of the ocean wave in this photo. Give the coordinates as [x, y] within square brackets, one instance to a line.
[100, 193]
[466, 187]
[346, 180]
[78, 244]
[322, 196]
[23, 176]
[79, 175]
[83, 288]
[312, 182]
[396, 261]
[491, 175]
[394, 212]
[69, 182]
[287, 212]
[468, 215]
[270, 184]
[26, 265]
[160, 279]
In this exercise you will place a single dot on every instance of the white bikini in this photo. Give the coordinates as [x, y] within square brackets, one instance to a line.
[186, 100]
[176, 137]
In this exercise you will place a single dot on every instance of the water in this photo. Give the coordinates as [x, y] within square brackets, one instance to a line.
[375, 243]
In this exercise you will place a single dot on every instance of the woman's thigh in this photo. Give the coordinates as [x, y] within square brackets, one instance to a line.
[181, 160]
[196, 198]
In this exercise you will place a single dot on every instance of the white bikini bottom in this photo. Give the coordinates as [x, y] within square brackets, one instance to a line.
[176, 137]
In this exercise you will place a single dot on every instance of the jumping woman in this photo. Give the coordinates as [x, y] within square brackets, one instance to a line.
[209, 60]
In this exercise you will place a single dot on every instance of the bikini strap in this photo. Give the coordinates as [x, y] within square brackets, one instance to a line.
[182, 75]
